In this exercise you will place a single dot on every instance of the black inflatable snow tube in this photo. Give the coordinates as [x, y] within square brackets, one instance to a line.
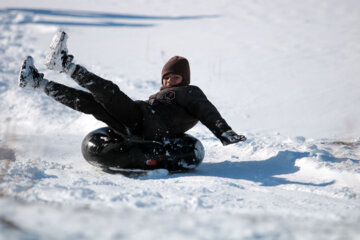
[106, 149]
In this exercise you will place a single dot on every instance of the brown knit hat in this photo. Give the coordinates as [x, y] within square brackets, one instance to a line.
[177, 65]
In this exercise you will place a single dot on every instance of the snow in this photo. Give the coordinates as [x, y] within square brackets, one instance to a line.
[283, 73]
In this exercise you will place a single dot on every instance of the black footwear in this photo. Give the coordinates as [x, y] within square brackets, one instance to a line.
[29, 76]
[58, 58]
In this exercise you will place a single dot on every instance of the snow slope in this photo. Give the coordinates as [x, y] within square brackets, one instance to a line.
[283, 73]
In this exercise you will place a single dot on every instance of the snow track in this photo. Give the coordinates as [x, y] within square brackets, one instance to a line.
[297, 176]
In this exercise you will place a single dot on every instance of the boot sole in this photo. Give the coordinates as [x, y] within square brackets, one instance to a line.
[57, 46]
[25, 71]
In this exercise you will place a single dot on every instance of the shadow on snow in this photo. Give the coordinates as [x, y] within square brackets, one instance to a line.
[263, 172]
[95, 15]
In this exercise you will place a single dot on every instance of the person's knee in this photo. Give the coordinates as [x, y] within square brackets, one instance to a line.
[107, 95]
[82, 106]
[111, 88]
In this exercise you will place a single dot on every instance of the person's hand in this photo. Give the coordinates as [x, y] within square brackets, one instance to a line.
[230, 137]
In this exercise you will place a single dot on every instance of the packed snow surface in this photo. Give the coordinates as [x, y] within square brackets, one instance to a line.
[284, 73]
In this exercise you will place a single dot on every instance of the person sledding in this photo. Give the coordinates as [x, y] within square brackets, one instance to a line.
[167, 114]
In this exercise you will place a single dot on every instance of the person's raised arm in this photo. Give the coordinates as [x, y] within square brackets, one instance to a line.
[197, 104]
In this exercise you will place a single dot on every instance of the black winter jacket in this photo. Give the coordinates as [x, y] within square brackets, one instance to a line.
[172, 111]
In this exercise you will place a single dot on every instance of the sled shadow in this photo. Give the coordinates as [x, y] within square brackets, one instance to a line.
[96, 16]
[263, 172]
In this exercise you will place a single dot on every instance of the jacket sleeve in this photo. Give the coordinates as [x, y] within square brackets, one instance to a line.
[197, 104]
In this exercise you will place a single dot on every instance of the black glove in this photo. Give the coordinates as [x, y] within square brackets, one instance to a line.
[230, 137]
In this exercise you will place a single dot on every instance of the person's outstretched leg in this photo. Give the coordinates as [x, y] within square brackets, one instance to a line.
[108, 94]
[76, 99]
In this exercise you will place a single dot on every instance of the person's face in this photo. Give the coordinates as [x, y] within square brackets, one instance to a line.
[171, 79]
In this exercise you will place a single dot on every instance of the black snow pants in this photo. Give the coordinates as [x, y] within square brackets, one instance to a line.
[105, 101]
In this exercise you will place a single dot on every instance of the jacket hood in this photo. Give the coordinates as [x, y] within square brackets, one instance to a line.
[177, 65]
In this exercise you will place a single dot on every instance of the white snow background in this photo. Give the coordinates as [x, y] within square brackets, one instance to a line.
[284, 73]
